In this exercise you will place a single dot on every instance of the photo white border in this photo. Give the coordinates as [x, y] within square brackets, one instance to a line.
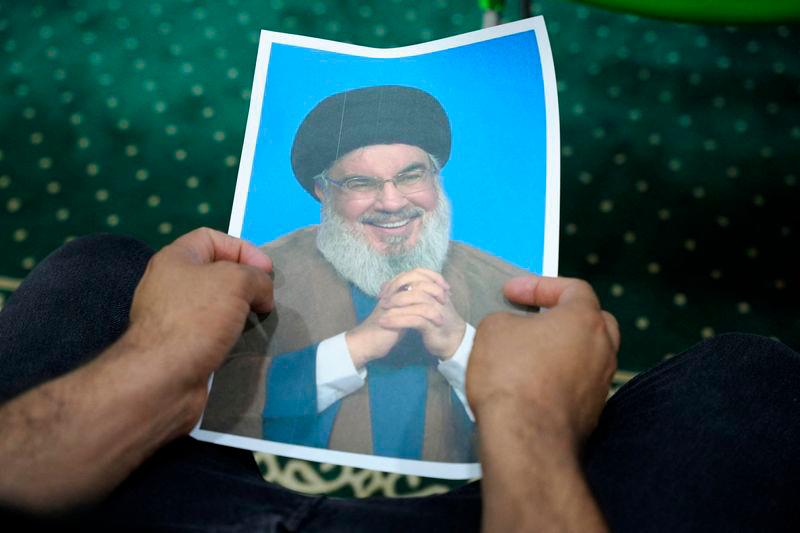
[442, 470]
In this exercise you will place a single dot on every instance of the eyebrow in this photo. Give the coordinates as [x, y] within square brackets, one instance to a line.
[408, 168]
[413, 166]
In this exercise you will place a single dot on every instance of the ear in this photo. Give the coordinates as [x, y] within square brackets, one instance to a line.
[318, 192]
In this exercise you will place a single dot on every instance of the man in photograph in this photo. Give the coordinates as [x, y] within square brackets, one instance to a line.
[367, 347]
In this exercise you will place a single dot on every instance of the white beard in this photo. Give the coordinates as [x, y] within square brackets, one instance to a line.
[356, 260]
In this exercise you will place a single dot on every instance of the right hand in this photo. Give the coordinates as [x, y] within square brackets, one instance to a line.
[94, 425]
[552, 368]
[192, 303]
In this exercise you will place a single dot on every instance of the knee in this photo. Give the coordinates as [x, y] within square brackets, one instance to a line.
[72, 305]
[107, 263]
[724, 365]
[747, 349]
[744, 362]
[106, 248]
[100, 255]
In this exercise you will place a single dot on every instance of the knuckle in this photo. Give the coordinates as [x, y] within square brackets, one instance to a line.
[596, 321]
[582, 285]
[422, 272]
[205, 231]
[159, 258]
[222, 268]
[251, 277]
[487, 322]
[202, 233]
[579, 287]
[611, 320]
[236, 276]
[493, 321]
[589, 319]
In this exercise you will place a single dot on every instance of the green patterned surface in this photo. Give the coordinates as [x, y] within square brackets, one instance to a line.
[679, 145]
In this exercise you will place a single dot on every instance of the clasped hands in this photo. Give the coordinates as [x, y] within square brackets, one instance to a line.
[419, 300]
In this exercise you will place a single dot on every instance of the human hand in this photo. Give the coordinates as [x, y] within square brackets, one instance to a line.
[191, 306]
[555, 366]
[418, 299]
[95, 424]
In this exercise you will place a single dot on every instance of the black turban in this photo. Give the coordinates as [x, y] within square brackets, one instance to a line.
[385, 114]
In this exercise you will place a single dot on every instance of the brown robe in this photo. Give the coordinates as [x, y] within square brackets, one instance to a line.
[313, 303]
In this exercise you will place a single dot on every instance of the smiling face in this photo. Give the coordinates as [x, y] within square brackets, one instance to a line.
[390, 221]
[370, 238]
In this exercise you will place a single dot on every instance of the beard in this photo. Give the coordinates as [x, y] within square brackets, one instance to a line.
[346, 247]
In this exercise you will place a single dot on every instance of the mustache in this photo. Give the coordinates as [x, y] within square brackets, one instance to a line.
[382, 217]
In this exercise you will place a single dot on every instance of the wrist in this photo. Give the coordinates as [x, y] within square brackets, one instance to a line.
[547, 426]
[358, 345]
[532, 474]
[456, 337]
[165, 391]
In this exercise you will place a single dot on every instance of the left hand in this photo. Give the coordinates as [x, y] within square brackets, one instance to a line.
[556, 365]
[420, 299]
[537, 385]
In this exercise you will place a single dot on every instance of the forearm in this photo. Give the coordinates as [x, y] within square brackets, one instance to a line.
[532, 480]
[73, 439]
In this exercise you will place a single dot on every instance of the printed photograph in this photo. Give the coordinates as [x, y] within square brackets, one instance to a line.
[395, 191]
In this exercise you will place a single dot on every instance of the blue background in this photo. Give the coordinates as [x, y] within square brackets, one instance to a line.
[496, 176]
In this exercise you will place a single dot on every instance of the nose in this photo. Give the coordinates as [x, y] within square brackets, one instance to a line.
[389, 198]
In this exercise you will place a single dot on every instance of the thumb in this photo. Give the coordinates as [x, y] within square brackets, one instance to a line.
[206, 245]
[543, 291]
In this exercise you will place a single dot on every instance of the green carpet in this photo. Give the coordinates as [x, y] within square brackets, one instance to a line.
[679, 144]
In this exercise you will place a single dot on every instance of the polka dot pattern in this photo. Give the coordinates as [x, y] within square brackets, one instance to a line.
[107, 102]
[687, 157]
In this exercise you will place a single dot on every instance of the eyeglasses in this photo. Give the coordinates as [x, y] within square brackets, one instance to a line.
[364, 187]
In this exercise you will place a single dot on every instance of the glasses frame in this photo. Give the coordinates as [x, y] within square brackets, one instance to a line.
[430, 172]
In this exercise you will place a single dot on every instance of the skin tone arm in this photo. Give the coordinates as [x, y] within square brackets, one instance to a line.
[94, 425]
[537, 385]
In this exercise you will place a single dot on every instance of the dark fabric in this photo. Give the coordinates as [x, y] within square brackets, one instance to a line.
[707, 441]
[385, 114]
[73, 305]
[703, 442]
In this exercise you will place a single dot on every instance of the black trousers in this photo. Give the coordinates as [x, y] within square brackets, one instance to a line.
[707, 441]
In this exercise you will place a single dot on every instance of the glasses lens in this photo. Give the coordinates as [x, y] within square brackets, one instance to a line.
[412, 181]
[362, 184]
